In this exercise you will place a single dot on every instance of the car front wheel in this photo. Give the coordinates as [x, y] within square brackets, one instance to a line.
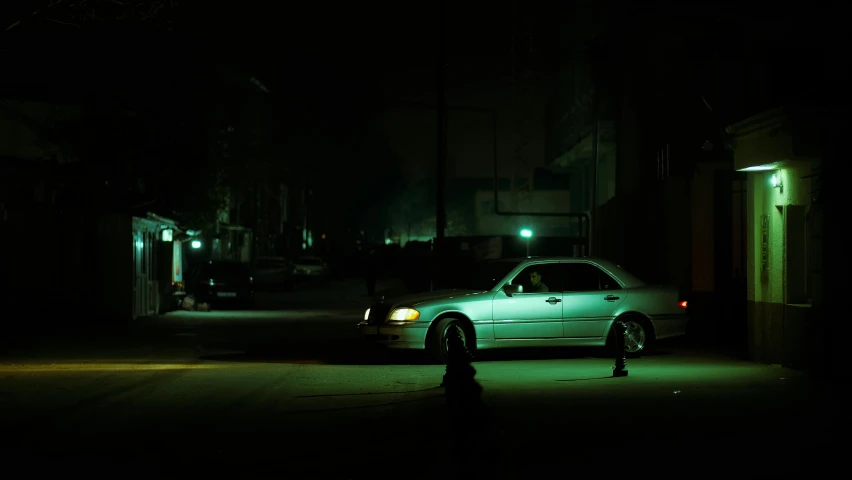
[439, 342]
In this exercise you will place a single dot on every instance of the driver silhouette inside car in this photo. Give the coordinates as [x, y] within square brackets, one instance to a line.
[537, 285]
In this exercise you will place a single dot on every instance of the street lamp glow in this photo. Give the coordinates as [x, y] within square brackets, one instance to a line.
[526, 234]
[196, 244]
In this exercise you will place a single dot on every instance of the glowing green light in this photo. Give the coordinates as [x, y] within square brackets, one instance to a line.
[526, 233]
[195, 244]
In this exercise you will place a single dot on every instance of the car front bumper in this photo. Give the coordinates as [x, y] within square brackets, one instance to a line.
[395, 336]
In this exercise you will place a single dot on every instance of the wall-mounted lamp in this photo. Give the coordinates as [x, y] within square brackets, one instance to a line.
[168, 235]
[775, 180]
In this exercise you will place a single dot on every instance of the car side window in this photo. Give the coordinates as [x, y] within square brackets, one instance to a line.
[539, 278]
[581, 277]
[606, 281]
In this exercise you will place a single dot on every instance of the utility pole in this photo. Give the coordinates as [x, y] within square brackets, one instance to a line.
[441, 134]
[523, 172]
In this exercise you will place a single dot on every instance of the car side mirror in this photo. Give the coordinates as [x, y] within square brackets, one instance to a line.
[512, 289]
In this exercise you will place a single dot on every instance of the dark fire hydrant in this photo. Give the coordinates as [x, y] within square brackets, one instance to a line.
[620, 368]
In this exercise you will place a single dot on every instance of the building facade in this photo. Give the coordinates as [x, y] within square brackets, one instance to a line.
[783, 237]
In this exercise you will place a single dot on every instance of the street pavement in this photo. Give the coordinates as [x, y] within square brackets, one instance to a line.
[287, 390]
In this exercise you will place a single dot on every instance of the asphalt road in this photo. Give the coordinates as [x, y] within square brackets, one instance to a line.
[288, 390]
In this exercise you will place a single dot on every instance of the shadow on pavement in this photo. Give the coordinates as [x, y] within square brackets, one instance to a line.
[585, 379]
[306, 352]
[550, 353]
[353, 352]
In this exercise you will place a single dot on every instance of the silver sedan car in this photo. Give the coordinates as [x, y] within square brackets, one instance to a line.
[531, 302]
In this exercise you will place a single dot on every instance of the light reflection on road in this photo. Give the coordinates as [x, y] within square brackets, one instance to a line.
[109, 366]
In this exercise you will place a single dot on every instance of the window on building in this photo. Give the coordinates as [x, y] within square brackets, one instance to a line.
[488, 207]
[796, 249]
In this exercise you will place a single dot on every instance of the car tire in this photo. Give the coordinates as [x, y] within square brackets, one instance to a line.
[437, 343]
[638, 327]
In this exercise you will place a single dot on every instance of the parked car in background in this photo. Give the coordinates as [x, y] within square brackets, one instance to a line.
[273, 273]
[310, 268]
[531, 302]
[224, 282]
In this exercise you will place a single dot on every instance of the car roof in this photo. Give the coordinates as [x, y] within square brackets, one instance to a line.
[598, 260]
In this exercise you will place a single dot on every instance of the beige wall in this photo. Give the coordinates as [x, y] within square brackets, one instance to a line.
[780, 330]
[768, 286]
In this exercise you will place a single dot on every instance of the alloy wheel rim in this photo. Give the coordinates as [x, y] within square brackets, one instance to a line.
[635, 337]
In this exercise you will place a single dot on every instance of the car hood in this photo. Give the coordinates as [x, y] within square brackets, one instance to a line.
[421, 298]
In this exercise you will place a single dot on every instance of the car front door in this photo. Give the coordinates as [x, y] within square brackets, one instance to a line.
[536, 311]
[590, 298]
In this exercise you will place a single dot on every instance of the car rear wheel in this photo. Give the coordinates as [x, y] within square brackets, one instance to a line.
[638, 339]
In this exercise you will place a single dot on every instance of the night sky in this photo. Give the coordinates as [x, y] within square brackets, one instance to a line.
[364, 74]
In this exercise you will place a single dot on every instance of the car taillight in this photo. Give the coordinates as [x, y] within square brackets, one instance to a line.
[682, 304]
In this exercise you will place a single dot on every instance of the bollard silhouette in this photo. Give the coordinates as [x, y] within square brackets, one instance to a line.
[467, 416]
[460, 373]
[620, 368]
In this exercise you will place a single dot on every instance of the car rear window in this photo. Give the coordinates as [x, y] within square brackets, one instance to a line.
[271, 264]
[224, 268]
[309, 261]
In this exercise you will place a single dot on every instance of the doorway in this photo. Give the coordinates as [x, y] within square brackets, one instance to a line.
[730, 196]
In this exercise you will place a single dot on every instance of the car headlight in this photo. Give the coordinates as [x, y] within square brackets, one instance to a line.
[404, 314]
[367, 314]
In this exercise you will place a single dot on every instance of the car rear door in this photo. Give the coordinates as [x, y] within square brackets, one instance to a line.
[589, 300]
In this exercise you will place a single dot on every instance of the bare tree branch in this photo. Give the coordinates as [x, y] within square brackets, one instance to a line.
[36, 12]
[61, 22]
[82, 12]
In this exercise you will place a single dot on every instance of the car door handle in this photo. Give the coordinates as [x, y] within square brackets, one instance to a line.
[553, 300]
[610, 298]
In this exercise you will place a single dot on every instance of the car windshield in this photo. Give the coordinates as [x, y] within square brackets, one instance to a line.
[271, 263]
[483, 275]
